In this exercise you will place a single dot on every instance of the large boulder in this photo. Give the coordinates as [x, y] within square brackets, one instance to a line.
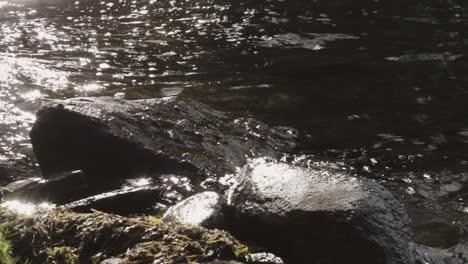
[318, 215]
[109, 138]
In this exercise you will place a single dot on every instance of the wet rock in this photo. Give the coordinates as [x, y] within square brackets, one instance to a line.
[436, 211]
[109, 138]
[112, 261]
[438, 233]
[4, 191]
[459, 253]
[426, 194]
[435, 223]
[20, 184]
[451, 188]
[447, 178]
[428, 255]
[124, 201]
[60, 190]
[317, 215]
[204, 209]
[266, 258]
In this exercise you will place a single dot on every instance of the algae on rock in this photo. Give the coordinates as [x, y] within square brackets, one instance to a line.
[67, 238]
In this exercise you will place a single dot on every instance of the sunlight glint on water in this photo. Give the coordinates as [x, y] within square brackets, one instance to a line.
[17, 70]
[26, 208]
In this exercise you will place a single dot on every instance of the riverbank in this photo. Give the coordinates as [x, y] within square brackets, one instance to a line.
[70, 238]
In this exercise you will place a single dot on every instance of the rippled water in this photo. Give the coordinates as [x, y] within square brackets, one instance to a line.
[381, 85]
[365, 78]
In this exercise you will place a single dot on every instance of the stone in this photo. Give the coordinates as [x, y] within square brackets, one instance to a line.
[452, 187]
[65, 188]
[112, 261]
[266, 258]
[428, 255]
[318, 215]
[204, 209]
[110, 139]
[126, 201]
[446, 179]
[20, 184]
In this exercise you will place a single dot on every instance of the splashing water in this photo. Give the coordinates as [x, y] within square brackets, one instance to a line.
[26, 208]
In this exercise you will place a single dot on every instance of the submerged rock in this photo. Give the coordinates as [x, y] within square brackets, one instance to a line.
[204, 209]
[109, 138]
[20, 184]
[434, 201]
[10, 171]
[60, 190]
[427, 255]
[318, 216]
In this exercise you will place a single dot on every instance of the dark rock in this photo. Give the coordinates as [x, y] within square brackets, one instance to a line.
[63, 189]
[446, 179]
[124, 201]
[109, 138]
[204, 209]
[435, 228]
[318, 215]
[437, 217]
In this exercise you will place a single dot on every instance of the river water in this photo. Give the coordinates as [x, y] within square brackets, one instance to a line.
[380, 85]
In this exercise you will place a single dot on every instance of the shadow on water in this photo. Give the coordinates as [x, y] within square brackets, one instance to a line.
[380, 85]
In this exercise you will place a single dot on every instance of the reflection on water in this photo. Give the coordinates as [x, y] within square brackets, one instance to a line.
[25, 71]
[311, 41]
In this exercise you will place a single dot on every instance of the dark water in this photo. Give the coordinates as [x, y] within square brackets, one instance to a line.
[381, 85]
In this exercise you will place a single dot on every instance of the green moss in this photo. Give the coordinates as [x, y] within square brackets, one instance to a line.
[6, 256]
[241, 252]
[69, 238]
[155, 220]
[63, 255]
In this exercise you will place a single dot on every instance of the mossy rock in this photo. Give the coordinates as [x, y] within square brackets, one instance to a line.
[68, 238]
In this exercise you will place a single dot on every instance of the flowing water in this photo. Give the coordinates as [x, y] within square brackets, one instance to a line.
[381, 85]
